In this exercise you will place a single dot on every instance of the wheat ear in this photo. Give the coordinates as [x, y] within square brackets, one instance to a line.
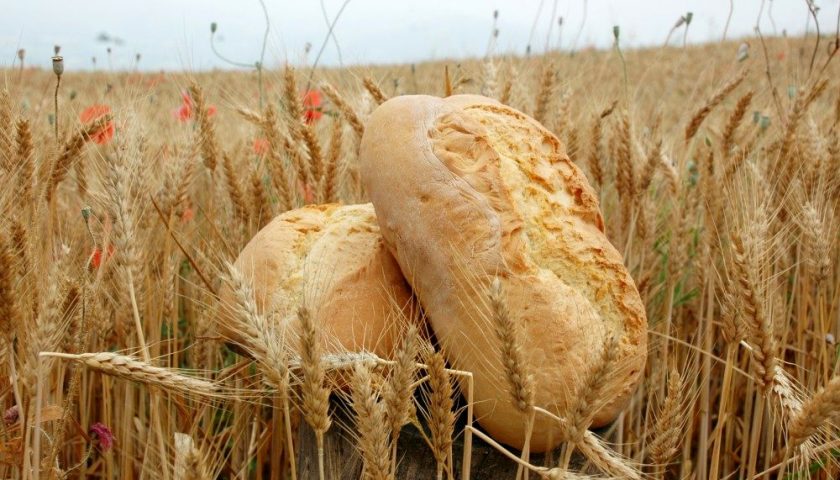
[69, 154]
[545, 93]
[823, 407]
[234, 189]
[315, 395]
[206, 129]
[666, 437]
[378, 95]
[735, 118]
[441, 419]
[399, 389]
[264, 345]
[711, 103]
[25, 160]
[520, 383]
[135, 370]
[281, 178]
[372, 424]
[606, 459]
[346, 110]
[9, 312]
[332, 170]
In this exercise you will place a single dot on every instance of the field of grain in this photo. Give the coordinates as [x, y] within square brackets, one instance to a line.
[126, 197]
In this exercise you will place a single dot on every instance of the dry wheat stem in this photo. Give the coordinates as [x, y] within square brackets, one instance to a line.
[136, 370]
[346, 110]
[441, 419]
[373, 427]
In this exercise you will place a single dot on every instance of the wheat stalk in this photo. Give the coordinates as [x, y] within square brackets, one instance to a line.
[441, 420]
[399, 389]
[545, 94]
[711, 103]
[69, 154]
[237, 198]
[378, 95]
[25, 160]
[280, 173]
[206, 129]
[135, 370]
[346, 110]
[735, 119]
[820, 409]
[373, 426]
[315, 395]
[331, 179]
[666, 433]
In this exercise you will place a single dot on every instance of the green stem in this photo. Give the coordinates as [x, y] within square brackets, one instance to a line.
[55, 104]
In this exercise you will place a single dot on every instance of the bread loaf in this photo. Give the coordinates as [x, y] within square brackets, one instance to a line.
[334, 258]
[467, 190]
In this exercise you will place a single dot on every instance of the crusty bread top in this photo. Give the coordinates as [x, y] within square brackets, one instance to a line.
[550, 217]
[334, 258]
[466, 189]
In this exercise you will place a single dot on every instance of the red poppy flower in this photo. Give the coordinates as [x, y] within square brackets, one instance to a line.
[11, 415]
[780, 56]
[307, 192]
[185, 111]
[93, 113]
[102, 436]
[155, 81]
[96, 256]
[261, 146]
[312, 106]
[187, 215]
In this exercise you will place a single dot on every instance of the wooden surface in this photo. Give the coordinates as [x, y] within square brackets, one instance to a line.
[342, 462]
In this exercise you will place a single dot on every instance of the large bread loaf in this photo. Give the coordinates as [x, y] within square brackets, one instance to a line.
[334, 258]
[467, 190]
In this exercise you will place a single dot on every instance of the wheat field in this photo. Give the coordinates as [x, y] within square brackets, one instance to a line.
[127, 196]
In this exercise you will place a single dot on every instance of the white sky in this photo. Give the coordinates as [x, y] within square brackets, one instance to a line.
[174, 34]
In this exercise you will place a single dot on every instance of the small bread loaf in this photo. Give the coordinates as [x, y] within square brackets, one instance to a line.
[334, 258]
[467, 190]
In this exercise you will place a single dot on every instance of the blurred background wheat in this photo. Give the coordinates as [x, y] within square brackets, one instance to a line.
[127, 194]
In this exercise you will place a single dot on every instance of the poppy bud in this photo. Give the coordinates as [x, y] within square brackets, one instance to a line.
[58, 65]
[743, 51]
[11, 416]
[688, 17]
[108, 50]
[21, 54]
[616, 32]
[213, 27]
[137, 57]
[495, 14]
[764, 123]
[56, 49]
[102, 436]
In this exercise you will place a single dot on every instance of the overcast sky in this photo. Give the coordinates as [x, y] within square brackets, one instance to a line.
[175, 34]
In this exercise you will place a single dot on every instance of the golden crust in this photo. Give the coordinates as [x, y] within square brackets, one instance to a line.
[466, 189]
[335, 258]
